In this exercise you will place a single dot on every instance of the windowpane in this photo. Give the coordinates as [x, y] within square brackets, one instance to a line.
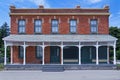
[93, 24]
[38, 26]
[21, 26]
[73, 26]
[39, 52]
[21, 52]
[54, 26]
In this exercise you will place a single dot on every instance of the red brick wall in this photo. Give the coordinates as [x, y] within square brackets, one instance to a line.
[30, 56]
[83, 26]
[47, 55]
[16, 58]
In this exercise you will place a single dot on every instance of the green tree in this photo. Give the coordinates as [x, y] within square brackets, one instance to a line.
[115, 31]
[4, 31]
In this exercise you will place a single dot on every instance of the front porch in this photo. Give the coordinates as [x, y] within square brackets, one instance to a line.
[62, 50]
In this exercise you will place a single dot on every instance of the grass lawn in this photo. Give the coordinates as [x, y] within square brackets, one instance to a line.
[118, 66]
[1, 66]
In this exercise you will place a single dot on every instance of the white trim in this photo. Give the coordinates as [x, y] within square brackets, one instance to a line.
[24, 57]
[11, 54]
[114, 55]
[108, 55]
[97, 56]
[79, 54]
[62, 53]
[43, 54]
[5, 54]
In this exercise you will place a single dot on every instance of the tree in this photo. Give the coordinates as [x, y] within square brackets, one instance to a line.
[4, 31]
[115, 31]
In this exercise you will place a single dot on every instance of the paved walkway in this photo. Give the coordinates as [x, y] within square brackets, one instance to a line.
[66, 75]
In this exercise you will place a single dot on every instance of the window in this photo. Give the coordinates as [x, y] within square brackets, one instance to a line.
[21, 51]
[93, 25]
[38, 26]
[54, 26]
[21, 26]
[39, 52]
[73, 26]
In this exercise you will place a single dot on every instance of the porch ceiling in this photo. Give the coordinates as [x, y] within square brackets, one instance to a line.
[59, 38]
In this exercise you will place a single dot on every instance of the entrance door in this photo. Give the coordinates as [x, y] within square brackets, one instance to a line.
[54, 54]
[88, 55]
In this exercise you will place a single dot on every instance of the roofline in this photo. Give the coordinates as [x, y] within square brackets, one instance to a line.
[58, 8]
[59, 13]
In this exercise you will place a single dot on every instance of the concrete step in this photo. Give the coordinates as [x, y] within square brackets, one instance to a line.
[23, 67]
[53, 68]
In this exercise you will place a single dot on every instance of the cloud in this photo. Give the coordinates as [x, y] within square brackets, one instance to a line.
[41, 2]
[94, 1]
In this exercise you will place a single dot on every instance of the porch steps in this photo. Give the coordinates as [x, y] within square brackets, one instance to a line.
[53, 68]
[60, 68]
[90, 67]
[23, 67]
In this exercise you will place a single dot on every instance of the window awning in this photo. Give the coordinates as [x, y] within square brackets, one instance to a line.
[59, 38]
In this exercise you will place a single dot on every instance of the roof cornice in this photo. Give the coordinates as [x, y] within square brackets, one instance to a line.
[59, 14]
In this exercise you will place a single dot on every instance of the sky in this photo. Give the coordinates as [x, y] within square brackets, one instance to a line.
[114, 18]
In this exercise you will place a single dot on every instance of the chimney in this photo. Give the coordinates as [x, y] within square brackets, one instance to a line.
[12, 7]
[78, 6]
[106, 7]
[41, 6]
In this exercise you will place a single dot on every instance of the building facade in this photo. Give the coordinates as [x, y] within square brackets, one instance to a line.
[60, 36]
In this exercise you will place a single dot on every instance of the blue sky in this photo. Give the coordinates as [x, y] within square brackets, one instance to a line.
[114, 19]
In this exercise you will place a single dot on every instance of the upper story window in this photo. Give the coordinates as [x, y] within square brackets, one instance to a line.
[54, 26]
[39, 52]
[21, 26]
[93, 25]
[73, 26]
[37, 26]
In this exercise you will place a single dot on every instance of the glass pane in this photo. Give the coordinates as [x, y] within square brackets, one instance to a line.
[21, 22]
[54, 22]
[38, 22]
[21, 29]
[73, 29]
[54, 29]
[93, 22]
[21, 52]
[39, 51]
[72, 22]
[37, 29]
[93, 29]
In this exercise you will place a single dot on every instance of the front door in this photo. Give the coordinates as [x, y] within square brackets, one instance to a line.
[54, 54]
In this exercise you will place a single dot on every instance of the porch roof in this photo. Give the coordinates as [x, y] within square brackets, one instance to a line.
[59, 38]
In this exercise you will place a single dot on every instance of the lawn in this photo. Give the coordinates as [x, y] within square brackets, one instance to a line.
[1, 66]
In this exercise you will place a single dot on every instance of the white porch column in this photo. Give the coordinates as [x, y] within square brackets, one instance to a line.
[79, 54]
[97, 61]
[43, 54]
[11, 54]
[24, 54]
[108, 54]
[5, 54]
[114, 48]
[62, 53]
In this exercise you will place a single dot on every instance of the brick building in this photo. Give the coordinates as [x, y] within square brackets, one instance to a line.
[60, 36]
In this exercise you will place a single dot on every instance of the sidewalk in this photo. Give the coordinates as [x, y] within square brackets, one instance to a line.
[66, 75]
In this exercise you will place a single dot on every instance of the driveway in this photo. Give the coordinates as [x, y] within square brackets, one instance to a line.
[66, 75]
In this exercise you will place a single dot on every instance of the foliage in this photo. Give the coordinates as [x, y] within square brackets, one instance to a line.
[115, 31]
[4, 31]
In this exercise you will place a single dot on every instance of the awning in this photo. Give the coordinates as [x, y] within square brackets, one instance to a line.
[59, 38]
